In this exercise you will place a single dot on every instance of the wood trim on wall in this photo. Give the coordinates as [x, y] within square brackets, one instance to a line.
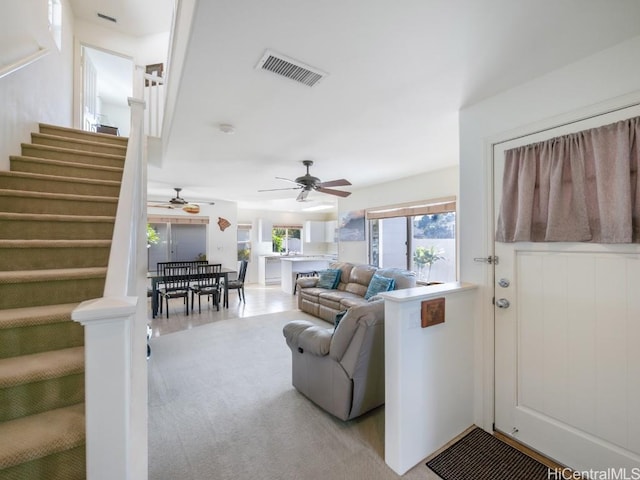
[426, 207]
[151, 218]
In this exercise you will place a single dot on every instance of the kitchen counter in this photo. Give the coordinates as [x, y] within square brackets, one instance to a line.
[269, 269]
[292, 264]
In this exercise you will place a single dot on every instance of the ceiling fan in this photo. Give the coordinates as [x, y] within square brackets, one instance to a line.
[177, 202]
[308, 182]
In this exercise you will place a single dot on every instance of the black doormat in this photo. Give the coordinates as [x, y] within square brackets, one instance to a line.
[481, 456]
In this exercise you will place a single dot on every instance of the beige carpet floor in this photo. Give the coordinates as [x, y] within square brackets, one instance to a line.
[221, 406]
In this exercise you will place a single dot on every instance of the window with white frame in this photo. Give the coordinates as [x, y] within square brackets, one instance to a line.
[55, 21]
[244, 242]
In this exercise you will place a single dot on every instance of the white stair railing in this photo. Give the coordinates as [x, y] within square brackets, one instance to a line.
[115, 332]
[154, 97]
[23, 62]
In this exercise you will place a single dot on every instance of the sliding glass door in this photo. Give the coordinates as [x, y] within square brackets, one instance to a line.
[413, 238]
[178, 243]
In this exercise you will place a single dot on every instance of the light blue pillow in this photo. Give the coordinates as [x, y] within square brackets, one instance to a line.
[379, 284]
[329, 279]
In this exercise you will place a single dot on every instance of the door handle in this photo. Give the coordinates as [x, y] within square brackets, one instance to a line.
[502, 303]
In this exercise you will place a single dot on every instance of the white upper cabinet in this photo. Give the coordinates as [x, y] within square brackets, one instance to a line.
[318, 231]
[264, 230]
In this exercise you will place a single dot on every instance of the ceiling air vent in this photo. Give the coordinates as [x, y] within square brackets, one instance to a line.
[107, 17]
[290, 68]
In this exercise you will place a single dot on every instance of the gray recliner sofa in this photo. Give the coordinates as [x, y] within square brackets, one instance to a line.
[350, 291]
[341, 371]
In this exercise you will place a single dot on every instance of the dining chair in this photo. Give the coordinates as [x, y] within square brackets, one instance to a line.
[207, 282]
[238, 284]
[175, 280]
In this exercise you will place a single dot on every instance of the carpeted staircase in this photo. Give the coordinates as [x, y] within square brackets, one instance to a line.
[57, 210]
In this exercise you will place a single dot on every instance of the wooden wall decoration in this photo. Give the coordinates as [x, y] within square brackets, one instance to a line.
[223, 223]
[432, 312]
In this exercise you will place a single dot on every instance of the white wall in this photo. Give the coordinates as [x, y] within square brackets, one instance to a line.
[42, 91]
[118, 115]
[425, 186]
[576, 90]
[221, 244]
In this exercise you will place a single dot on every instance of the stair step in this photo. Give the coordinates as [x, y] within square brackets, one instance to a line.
[77, 144]
[81, 134]
[36, 437]
[43, 381]
[24, 331]
[39, 254]
[54, 184]
[72, 156]
[24, 201]
[30, 288]
[33, 225]
[64, 169]
[41, 366]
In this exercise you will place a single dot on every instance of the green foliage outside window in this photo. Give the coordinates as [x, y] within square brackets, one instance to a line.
[152, 236]
[277, 239]
[437, 225]
[427, 256]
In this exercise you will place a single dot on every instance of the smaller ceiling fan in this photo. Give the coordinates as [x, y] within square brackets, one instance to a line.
[177, 202]
[308, 182]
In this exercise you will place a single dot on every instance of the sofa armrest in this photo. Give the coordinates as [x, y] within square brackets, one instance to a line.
[306, 337]
[367, 314]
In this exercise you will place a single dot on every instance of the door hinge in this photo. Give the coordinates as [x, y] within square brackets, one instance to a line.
[491, 260]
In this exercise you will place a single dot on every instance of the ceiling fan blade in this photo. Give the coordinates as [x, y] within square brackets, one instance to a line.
[287, 180]
[330, 191]
[302, 195]
[160, 205]
[276, 189]
[335, 183]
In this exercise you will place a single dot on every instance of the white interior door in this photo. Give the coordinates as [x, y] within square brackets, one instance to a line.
[567, 345]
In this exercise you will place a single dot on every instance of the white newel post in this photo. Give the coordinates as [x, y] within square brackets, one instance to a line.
[115, 331]
[428, 372]
[108, 324]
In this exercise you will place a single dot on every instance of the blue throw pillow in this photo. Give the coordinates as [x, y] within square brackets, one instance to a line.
[379, 284]
[329, 279]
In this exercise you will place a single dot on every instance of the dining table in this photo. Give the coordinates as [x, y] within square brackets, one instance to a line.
[156, 279]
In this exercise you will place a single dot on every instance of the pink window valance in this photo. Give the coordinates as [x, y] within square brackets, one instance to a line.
[582, 187]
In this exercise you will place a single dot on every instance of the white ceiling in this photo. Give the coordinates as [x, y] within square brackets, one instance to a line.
[399, 72]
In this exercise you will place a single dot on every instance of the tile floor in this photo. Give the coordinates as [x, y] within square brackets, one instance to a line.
[260, 300]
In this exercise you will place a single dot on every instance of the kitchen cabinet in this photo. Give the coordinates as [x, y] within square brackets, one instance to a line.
[314, 231]
[331, 231]
[318, 231]
[264, 230]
